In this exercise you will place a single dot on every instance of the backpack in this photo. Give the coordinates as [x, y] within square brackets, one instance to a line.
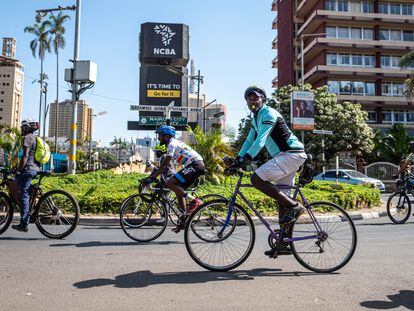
[42, 151]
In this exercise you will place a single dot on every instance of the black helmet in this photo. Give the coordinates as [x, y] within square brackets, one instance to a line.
[255, 89]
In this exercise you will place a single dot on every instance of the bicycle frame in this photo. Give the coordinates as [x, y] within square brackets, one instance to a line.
[297, 192]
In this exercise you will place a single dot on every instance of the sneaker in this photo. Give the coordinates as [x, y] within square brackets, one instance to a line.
[177, 228]
[196, 202]
[291, 215]
[273, 252]
[20, 227]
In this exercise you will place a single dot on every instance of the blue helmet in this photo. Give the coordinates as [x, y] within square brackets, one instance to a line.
[166, 130]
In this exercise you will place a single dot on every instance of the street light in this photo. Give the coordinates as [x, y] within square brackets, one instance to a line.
[90, 134]
[302, 66]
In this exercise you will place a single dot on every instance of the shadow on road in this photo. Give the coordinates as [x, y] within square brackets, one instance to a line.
[384, 224]
[405, 298]
[98, 243]
[22, 239]
[147, 278]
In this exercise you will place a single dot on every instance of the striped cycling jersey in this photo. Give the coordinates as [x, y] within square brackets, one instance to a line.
[269, 130]
[181, 153]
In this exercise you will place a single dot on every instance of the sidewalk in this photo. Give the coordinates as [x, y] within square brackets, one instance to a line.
[371, 213]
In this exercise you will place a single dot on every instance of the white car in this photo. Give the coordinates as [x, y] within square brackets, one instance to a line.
[350, 177]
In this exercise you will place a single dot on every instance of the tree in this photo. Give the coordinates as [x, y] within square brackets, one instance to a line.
[346, 120]
[212, 148]
[57, 32]
[11, 143]
[120, 144]
[40, 45]
[408, 61]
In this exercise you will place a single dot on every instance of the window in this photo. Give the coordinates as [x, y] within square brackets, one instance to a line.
[369, 61]
[331, 59]
[368, 34]
[343, 32]
[386, 89]
[345, 87]
[370, 88]
[330, 5]
[385, 61]
[410, 116]
[331, 174]
[407, 9]
[408, 35]
[397, 89]
[333, 87]
[395, 35]
[356, 33]
[367, 7]
[372, 116]
[343, 60]
[355, 7]
[395, 61]
[384, 34]
[358, 88]
[399, 116]
[331, 32]
[386, 116]
[357, 60]
[395, 8]
[383, 8]
[343, 5]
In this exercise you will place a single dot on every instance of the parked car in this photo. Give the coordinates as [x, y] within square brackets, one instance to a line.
[350, 177]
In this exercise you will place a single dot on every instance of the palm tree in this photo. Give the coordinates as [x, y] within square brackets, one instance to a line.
[212, 148]
[57, 32]
[10, 142]
[408, 61]
[40, 45]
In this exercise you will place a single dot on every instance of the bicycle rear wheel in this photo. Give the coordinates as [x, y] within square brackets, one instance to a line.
[334, 243]
[6, 212]
[57, 214]
[399, 207]
[212, 243]
[143, 220]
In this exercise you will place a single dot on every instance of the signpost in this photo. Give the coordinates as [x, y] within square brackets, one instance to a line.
[162, 120]
[323, 132]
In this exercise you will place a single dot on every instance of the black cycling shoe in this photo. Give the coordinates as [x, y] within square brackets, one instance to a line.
[20, 228]
[291, 215]
[273, 252]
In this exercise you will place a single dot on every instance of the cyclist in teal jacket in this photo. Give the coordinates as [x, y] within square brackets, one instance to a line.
[270, 130]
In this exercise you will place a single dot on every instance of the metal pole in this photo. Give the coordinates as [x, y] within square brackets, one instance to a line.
[57, 99]
[73, 136]
[44, 113]
[204, 119]
[323, 154]
[198, 96]
[41, 90]
[302, 64]
[90, 140]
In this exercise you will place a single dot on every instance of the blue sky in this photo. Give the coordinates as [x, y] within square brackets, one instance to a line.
[230, 42]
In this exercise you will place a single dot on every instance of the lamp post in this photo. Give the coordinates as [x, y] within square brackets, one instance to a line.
[204, 114]
[90, 134]
[40, 14]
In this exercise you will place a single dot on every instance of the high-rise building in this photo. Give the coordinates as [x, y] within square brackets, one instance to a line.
[354, 47]
[214, 116]
[84, 121]
[11, 84]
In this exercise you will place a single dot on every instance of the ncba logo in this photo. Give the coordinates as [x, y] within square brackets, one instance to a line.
[166, 35]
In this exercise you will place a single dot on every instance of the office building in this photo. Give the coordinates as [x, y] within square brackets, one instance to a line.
[354, 47]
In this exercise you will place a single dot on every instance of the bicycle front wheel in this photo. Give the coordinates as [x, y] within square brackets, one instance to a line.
[215, 244]
[6, 212]
[143, 220]
[334, 241]
[399, 207]
[57, 214]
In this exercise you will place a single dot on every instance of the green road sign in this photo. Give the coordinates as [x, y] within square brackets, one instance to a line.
[155, 120]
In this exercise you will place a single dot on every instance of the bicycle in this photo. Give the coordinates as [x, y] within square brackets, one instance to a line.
[144, 216]
[55, 213]
[399, 204]
[321, 244]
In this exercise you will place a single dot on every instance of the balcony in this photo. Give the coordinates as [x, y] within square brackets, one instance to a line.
[353, 18]
[274, 5]
[363, 99]
[274, 23]
[274, 43]
[275, 82]
[353, 45]
[335, 72]
[274, 62]
[305, 6]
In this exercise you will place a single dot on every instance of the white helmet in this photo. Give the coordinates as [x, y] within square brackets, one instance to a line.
[31, 124]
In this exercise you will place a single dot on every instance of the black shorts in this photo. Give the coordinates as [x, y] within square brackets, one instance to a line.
[190, 173]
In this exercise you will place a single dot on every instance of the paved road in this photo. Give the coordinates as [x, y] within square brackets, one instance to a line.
[101, 269]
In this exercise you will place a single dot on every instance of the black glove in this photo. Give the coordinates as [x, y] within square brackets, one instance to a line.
[146, 181]
[243, 161]
[229, 161]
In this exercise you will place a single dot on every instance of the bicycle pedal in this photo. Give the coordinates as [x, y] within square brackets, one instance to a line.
[273, 253]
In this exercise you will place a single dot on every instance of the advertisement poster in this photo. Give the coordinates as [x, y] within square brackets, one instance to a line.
[302, 110]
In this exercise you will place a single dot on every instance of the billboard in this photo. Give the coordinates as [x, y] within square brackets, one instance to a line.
[160, 87]
[302, 110]
[164, 44]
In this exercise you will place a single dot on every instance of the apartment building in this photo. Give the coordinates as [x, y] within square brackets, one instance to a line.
[84, 120]
[354, 47]
[11, 84]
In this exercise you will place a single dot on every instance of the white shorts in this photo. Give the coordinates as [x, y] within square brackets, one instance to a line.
[282, 168]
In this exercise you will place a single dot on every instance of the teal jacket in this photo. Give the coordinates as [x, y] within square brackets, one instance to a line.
[269, 130]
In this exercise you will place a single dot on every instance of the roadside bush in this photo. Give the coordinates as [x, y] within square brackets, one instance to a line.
[102, 192]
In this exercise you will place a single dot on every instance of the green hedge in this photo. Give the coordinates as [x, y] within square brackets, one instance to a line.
[102, 192]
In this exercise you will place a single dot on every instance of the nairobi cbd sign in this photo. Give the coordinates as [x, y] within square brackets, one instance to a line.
[164, 44]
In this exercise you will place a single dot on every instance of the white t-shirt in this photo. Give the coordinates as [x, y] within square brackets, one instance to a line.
[181, 153]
